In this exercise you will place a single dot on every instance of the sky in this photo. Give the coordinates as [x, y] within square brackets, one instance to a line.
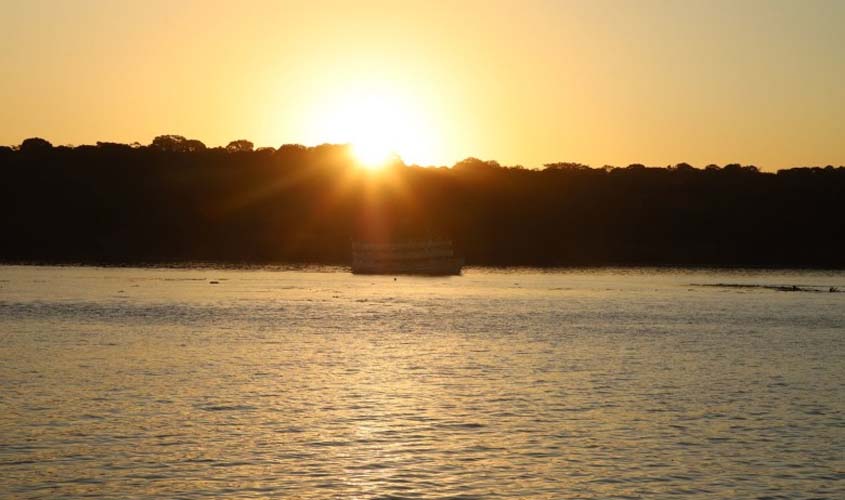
[519, 82]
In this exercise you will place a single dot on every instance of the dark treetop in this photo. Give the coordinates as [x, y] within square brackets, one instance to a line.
[176, 200]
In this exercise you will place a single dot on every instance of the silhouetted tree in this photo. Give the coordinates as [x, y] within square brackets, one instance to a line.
[35, 145]
[177, 144]
[474, 164]
[683, 167]
[114, 147]
[292, 149]
[193, 145]
[171, 143]
[239, 145]
[570, 166]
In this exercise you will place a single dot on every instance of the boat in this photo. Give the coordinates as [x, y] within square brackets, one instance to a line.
[428, 257]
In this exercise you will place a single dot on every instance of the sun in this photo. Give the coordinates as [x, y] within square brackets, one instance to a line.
[380, 124]
[372, 155]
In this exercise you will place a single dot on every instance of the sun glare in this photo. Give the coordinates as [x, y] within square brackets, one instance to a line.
[379, 124]
[372, 155]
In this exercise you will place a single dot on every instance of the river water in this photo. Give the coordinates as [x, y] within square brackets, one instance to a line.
[508, 383]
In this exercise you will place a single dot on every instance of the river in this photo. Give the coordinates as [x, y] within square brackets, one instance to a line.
[502, 383]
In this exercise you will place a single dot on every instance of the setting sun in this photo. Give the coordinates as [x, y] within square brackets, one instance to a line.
[379, 122]
[372, 154]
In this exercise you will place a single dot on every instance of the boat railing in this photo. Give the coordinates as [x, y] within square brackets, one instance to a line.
[394, 247]
[404, 255]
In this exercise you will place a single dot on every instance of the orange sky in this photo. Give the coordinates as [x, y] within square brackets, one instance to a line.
[656, 82]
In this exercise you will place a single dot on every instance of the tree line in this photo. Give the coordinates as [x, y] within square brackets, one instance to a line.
[176, 200]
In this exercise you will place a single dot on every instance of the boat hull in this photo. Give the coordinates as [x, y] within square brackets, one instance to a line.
[429, 267]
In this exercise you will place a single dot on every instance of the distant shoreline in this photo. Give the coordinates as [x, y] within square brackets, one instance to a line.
[315, 266]
[115, 204]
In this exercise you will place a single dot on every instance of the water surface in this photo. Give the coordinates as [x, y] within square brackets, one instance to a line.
[512, 383]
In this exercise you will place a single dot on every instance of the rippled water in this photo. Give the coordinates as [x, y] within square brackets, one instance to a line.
[315, 383]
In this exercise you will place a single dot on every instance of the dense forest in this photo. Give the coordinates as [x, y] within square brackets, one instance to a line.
[176, 201]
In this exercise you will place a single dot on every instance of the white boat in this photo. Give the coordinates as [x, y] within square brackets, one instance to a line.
[431, 257]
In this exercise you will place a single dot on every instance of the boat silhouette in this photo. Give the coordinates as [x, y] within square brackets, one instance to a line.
[427, 257]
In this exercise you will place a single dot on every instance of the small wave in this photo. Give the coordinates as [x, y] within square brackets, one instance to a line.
[227, 408]
[462, 425]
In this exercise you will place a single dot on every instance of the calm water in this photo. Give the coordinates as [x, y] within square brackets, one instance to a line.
[121, 383]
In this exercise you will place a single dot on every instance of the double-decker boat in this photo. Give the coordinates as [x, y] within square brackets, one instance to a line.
[432, 257]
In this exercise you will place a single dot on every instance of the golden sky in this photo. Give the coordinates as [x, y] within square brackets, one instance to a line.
[521, 82]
